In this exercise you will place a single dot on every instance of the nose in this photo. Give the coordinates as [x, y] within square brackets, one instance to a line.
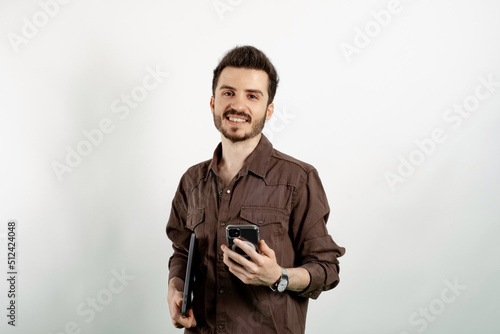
[239, 102]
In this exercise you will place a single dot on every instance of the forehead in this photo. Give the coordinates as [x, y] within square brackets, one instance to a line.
[244, 78]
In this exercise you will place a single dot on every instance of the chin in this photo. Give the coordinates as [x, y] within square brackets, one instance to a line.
[235, 137]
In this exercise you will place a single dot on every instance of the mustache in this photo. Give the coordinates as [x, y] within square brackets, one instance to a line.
[233, 112]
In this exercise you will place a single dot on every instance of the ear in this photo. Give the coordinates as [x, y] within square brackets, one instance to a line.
[269, 111]
[212, 104]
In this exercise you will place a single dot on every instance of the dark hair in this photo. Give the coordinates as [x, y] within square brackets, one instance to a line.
[248, 57]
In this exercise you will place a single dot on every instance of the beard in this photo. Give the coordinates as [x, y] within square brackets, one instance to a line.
[231, 132]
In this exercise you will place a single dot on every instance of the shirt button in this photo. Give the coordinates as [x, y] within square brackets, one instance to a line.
[259, 222]
[221, 327]
[222, 224]
[221, 291]
[228, 191]
[220, 192]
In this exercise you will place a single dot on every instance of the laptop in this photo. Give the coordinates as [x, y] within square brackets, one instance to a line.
[189, 280]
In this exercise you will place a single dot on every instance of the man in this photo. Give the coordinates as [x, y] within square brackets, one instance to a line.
[247, 182]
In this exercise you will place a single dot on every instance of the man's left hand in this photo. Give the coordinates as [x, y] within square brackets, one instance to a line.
[261, 269]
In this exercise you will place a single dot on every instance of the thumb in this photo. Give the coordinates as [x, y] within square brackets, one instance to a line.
[265, 249]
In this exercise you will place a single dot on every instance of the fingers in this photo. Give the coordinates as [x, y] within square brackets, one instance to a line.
[188, 321]
[230, 257]
[256, 258]
[175, 303]
[249, 250]
[180, 322]
[175, 314]
[262, 270]
[243, 273]
[191, 319]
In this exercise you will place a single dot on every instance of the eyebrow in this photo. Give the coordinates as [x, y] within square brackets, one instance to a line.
[256, 91]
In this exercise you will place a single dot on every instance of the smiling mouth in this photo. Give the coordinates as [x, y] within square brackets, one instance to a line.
[236, 119]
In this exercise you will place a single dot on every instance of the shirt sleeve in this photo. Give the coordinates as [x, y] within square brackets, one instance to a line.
[315, 249]
[179, 235]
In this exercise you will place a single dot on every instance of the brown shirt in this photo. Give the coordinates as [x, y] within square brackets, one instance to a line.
[285, 199]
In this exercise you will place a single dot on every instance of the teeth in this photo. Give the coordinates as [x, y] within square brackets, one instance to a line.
[237, 120]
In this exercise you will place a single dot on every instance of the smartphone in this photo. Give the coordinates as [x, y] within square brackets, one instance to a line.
[247, 233]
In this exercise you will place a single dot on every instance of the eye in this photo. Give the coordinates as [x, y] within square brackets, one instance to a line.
[252, 96]
[227, 93]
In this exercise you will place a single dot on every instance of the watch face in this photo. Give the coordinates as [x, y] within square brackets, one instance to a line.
[282, 285]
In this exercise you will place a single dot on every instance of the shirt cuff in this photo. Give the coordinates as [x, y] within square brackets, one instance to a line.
[317, 279]
[177, 270]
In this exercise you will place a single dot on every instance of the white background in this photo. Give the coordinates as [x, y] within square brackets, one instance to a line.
[353, 117]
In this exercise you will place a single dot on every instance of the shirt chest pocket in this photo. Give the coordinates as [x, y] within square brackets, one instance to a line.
[272, 222]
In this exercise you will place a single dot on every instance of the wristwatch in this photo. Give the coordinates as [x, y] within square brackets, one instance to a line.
[282, 283]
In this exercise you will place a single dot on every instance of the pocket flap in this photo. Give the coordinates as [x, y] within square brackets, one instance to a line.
[195, 217]
[262, 215]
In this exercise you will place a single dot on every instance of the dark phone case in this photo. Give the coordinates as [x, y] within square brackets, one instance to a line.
[249, 233]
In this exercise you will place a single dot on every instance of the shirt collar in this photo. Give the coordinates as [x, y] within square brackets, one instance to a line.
[257, 162]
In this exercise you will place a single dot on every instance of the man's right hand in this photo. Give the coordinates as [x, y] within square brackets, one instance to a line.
[175, 293]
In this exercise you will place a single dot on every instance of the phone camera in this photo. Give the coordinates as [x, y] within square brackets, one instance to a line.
[234, 233]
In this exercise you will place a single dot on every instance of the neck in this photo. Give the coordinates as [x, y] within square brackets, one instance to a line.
[235, 154]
